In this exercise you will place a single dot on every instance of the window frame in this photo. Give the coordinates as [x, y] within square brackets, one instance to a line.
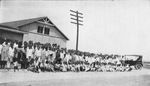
[40, 29]
[46, 31]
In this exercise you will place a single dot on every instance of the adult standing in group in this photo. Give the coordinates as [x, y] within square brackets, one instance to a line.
[5, 56]
[24, 59]
[21, 57]
[1, 46]
[11, 55]
[15, 44]
[62, 54]
[53, 55]
[29, 54]
[58, 58]
[38, 51]
[43, 53]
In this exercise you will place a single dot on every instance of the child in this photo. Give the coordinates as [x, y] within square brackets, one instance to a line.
[15, 60]
[8, 64]
[16, 65]
[42, 66]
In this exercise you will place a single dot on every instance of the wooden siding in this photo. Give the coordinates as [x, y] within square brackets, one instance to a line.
[44, 39]
[54, 36]
[33, 29]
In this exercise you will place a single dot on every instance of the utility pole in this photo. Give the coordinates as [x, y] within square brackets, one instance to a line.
[77, 17]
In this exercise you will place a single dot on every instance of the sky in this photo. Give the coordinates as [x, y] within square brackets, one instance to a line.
[109, 26]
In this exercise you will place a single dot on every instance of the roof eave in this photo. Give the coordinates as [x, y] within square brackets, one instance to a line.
[13, 30]
[62, 34]
[6, 26]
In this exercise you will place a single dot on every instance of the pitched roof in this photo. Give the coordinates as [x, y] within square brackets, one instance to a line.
[17, 24]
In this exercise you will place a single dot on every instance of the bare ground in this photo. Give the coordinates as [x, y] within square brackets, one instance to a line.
[25, 78]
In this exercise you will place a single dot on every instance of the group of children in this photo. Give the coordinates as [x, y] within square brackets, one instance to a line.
[48, 67]
[37, 57]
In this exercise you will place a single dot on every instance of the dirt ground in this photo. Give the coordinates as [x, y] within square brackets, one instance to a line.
[26, 78]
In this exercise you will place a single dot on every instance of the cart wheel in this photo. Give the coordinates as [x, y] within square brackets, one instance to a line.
[138, 66]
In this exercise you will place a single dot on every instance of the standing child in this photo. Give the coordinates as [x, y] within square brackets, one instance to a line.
[15, 60]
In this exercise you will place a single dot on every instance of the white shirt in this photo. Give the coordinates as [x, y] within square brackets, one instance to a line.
[98, 59]
[1, 46]
[11, 51]
[80, 58]
[61, 55]
[29, 52]
[89, 60]
[50, 52]
[15, 45]
[77, 57]
[86, 58]
[68, 57]
[38, 52]
[4, 43]
[93, 59]
[47, 53]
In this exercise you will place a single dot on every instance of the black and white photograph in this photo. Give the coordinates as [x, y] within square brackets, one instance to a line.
[74, 42]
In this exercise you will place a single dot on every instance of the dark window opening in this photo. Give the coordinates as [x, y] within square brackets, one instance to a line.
[40, 29]
[47, 30]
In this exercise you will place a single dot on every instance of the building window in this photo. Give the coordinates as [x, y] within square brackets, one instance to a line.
[47, 30]
[40, 29]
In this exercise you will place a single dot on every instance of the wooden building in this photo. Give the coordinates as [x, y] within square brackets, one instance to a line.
[39, 29]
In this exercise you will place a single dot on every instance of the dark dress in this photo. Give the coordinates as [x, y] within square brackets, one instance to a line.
[58, 59]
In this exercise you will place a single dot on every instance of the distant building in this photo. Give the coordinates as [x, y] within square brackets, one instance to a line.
[39, 29]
